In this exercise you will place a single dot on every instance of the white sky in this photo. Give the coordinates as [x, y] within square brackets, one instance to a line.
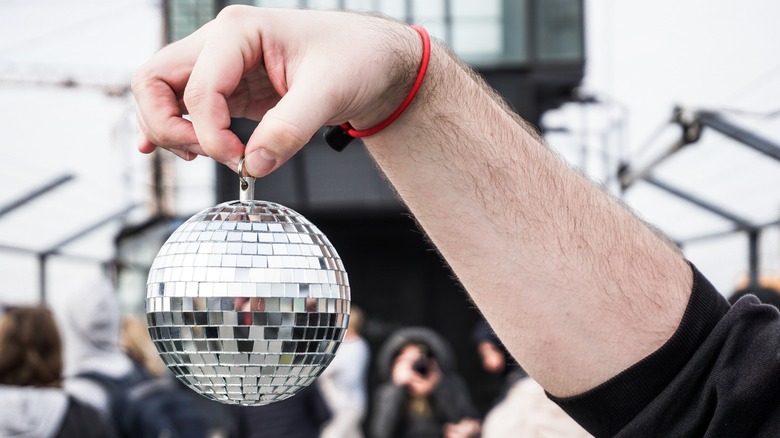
[643, 57]
[47, 130]
[647, 57]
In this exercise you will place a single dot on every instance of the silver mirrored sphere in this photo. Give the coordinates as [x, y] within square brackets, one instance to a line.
[247, 302]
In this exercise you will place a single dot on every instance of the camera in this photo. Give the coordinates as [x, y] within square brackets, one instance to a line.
[420, 366]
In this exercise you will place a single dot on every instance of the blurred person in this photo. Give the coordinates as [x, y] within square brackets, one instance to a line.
[767, 295]
[493, 356]
[100, 373]
[526, 411]
[501, 369]
[301, 416]
[90, 321]
[601, 309]
[343, 383]
[138, 346]
[32, 401]
[522, 409]
[421, 394]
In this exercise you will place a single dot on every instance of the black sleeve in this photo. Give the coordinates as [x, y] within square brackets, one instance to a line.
[320, 412]
[388, 403]
[83, 421]
[451, 397]
[716, 376]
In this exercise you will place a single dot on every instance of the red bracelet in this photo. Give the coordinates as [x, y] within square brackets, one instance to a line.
[338, 137]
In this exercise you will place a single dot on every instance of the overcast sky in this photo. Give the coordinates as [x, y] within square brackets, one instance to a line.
[646, 57]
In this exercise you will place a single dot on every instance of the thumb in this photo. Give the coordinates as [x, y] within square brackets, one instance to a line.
[285, 129]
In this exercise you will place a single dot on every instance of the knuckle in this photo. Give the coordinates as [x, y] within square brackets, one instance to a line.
[232, 12]
[139, 79]
[142, 78]
[287, 136]
[163, 138]
[194, 95]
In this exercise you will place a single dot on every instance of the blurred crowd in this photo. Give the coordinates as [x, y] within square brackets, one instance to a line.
[79, 368]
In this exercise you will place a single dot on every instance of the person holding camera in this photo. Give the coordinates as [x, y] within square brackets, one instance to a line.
[422, 395]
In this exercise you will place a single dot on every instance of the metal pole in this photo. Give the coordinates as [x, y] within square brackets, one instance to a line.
[42, 259]
[753, 238]
[448, 31]
[729, 129]
[712, 208]
[31, 195]
[118, 215]
[691, 132]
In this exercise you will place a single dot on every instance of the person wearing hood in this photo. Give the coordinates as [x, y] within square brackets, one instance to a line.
[33, 402]
[422, 395]
[99, 372]
[90, 320]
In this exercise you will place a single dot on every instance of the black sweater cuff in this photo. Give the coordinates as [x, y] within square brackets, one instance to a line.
[607, 408]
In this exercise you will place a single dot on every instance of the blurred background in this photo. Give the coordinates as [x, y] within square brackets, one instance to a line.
[672, 106]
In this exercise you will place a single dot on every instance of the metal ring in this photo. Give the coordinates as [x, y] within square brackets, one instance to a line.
[241, 169]
[242, 178]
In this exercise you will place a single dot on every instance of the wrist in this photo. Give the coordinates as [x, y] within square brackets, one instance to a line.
[433, 101]
[404, 56]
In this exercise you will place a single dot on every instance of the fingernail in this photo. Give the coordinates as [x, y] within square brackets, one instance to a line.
[260, 162]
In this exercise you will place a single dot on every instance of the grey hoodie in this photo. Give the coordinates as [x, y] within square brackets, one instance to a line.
[31, 412]
[89, 320]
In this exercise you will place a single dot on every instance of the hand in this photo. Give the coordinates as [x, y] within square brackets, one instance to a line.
[420, 385]
[465, 428]
[492, 358]
[403, 373]
[293, 70]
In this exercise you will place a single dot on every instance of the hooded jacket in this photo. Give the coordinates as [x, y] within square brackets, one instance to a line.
[89, 318]
[31, 412]
[450, 401]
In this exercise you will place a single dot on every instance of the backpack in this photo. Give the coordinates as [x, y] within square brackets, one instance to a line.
[146, 407]
[83, 421]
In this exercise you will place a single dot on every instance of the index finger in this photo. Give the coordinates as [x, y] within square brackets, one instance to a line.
[158, 87]
[216, 75]
[160, 118]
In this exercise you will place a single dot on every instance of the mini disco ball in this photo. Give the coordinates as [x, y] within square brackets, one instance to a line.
[247, 302]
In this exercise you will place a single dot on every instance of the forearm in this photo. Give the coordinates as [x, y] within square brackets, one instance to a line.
[576, 287]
